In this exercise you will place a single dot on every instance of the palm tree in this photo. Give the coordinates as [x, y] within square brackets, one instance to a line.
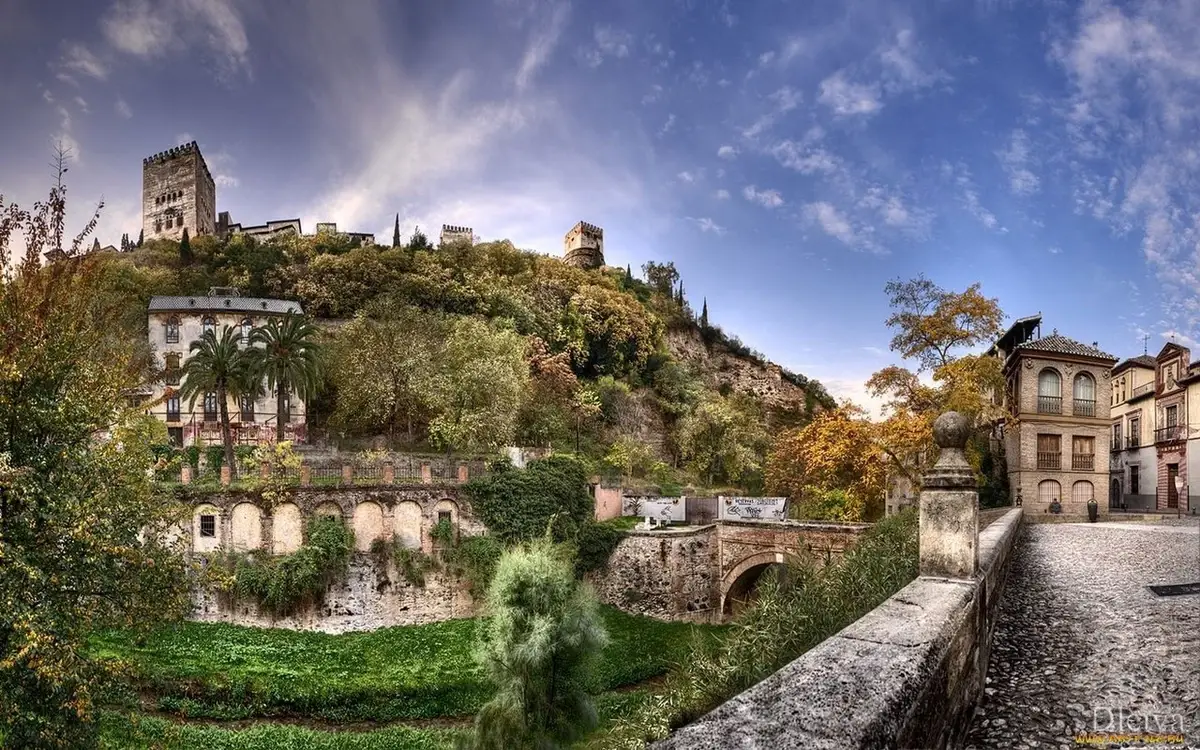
[218, 365]
[289, 359]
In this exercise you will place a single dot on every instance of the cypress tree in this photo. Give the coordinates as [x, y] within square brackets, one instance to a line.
[704, 314]
[185, 249]
[396, 232]
[141, 232]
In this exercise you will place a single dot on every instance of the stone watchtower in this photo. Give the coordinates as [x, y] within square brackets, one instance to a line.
[584, 246]
[451, 234]
[177, 192]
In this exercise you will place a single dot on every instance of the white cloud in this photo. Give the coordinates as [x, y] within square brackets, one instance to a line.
[721, 195]
[765, 198]
[653, 95]
[1016, 162]
[968, 194]
[123, 109]
[895, 212]
[610, 42]
[149, 30]
[904, 67]
[686, 176]
[804, 159]
[831, 221]
[846, 98]
[82, 104]
[727, 152]
[706, 224]
[541, 46]
[668, 125]
[786, 99]
[1055, 250]
[79, 59]
[875, 350]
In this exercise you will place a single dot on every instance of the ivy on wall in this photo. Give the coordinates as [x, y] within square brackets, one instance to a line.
[520, 505]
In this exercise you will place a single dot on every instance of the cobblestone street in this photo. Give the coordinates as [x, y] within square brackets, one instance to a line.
[1081, 639]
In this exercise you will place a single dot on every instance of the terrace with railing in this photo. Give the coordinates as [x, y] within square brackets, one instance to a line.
[1046, 460]
[1083, 462]
[1049, 404]
[352, 471]
[1084, 407]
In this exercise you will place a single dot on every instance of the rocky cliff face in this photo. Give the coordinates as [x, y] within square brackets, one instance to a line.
[728, 371]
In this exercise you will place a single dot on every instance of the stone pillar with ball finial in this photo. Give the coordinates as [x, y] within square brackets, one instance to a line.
[949, 525]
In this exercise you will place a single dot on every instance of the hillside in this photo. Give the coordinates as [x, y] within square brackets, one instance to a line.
[485, 345]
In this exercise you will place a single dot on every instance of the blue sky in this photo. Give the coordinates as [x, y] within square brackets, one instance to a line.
[789, 157]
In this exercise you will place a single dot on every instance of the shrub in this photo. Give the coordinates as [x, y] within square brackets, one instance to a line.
[521, 504]
[285, 584]
[595, 544]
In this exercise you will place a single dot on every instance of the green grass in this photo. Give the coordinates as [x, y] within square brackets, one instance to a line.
[417, 672]
[120, 732]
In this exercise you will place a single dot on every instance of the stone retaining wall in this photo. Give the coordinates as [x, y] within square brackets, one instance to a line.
[667, 574]
[907, 674]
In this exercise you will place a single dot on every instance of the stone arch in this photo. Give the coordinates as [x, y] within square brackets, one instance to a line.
[406, 524]
[1049, 382]
[443, 510]
[206, 528]
[1082, 491]
[1049, 489]
[287, 529]
[245, 526]
[1114, 493]
[328, 509]
[739, 583]
[368, 524]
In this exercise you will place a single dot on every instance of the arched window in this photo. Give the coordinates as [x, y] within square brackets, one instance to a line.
[1049, 392]
[1082, 491]
[173, 329]
[1084, 395]
[210, 406]
[1048, 491]
[209, 325]
[173, 369]
[247, 327]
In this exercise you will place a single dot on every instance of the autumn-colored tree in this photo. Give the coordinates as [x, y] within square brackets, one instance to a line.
[546, 410]
[833, 466]
[619, 334]
[931, 322]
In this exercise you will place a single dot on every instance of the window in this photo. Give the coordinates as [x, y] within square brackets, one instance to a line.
[1049, 392]
[175, 436]
[1084, 395]
[247, 327]
[1083, 451]
[1172, 416]
[1135, 432]
[209, 325]
[158, 225]
[1116, 437]
[1133, 479]
[1048, 490]
[210, 406]
[173, 369]
[173, 409]
[247, 404]
[208, 526]
[170, 221]
[1082, 491]
[1049, 451]
[172, 335]
[444, 515]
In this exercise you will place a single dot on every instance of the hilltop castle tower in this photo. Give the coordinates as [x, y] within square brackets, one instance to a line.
[584, 246]
[177, 192]
[451, 233]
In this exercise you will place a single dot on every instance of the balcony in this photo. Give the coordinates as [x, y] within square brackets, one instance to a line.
[1142, 390]
[1116, 443]
[1083, 462]
[1134, 440]
[1049, 460]
[1168, 434]
[1084, 408]
[1049, 404]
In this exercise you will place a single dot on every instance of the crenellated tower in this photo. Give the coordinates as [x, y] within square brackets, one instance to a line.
[177, 192]
[584, 246]
[451, 234]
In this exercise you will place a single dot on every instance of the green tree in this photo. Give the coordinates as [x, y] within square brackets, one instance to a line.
[141, 233]
[478, 386]
[418, 241]
[287, 354]
[539, 646]
[704, 315]
[396, 233]
[619, 334]
[381, 364]
[722, 439]
[185, 250]
[519, 505]
[80, 521]
[219, 365]
[661, 276]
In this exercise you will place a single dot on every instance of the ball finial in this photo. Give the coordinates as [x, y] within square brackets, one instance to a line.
[951, 430]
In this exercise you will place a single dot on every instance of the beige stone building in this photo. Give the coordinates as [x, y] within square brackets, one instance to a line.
[583, 246]
[1057, 431]
[178, 192]
[175, 322]
[1133, 462]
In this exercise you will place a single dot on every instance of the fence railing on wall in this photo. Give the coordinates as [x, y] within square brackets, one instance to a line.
[401, 470]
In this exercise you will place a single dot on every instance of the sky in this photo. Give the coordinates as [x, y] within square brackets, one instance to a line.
[789, 157]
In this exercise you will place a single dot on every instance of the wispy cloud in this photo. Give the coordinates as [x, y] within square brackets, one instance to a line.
[847, 98]
[765, 198]
[721, 195]
[706, 224]
[727, 152]
[78, 59]
[150, 30]
[122, 108]
[959, 175]
[609, 42]
[1016, 161]
[541, 46]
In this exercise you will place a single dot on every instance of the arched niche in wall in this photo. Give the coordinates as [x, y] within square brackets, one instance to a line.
[368, 524]
[287, 531]
[206, 528]
[246, 526]
[328, 509]
[406, 524]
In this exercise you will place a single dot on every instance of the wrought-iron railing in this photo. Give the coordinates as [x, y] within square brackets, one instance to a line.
[1168, 433]
[1049, 460]
[1116, 444]
[1083, 462]
[1134, 440]
[1049, 404]
[1084, 407]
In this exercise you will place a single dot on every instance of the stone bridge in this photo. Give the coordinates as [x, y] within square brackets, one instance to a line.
[1022, 635]
[707, 573]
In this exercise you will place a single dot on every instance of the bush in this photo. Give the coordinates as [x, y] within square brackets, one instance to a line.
[286, 584]
[475, 558]
[595, 544]
[521, 504]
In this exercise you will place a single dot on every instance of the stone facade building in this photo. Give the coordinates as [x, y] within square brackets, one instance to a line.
[583, 246]
[226, 227]
[451, 234]
[178, 192]
[1155, 457]
[1057, 432]
[174, 323]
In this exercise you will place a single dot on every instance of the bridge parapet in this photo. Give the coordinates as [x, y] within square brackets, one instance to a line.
[909, 673]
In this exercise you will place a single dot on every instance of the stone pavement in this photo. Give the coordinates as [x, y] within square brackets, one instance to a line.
[1081, 639]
